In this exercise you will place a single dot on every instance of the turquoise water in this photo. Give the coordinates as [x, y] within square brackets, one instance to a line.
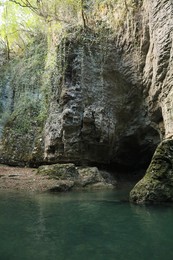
[76, 226]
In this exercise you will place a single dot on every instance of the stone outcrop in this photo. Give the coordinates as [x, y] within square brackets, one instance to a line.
[157, 184]
[158, 84]
[157, 73]
[97, 114]
[70, 177]
[110, 98]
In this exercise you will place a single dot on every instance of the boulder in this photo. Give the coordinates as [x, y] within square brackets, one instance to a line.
[157, 184]
[92, 178]
[69, 177]
[59, 171]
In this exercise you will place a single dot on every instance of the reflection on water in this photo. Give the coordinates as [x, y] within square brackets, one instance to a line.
[89, 225]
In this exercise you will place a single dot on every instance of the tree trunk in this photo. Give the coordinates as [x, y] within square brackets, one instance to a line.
[83, 14]
[7, 48]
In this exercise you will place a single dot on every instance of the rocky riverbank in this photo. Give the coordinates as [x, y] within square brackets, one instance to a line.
[54, 178]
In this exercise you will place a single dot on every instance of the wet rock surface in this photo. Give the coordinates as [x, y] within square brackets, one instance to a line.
[157, 184]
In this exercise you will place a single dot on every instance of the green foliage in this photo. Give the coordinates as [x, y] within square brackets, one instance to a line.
[24, 19]
[18, 27]
[26, 81]
[23, 122]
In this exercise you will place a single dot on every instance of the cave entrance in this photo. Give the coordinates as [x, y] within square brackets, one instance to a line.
[134, 153]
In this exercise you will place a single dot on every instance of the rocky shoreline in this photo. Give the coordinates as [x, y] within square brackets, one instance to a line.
[22, 179]
[54, 178]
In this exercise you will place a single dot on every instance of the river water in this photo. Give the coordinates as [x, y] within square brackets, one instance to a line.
[79, 226]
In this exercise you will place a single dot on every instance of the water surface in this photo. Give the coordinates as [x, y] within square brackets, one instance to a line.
[88, 225]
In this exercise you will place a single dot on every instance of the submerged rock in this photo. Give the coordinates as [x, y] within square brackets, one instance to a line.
[157, 184]
[69, 177]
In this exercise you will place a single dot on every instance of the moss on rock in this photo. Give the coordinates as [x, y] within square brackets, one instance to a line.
[59, 171]
[157, 184]
[69, 177]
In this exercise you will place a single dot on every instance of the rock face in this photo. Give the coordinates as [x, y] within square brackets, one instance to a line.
[97, 115]
[157, 184]
[109, 100]
[159, 61]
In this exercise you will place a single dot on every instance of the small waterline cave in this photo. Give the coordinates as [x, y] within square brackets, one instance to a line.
[133, 154]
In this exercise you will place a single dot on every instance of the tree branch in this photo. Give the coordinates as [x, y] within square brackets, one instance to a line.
[47, 15]
[23, 4]
[126, 5]
[26, 4]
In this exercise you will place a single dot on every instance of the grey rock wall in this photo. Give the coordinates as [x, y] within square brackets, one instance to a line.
[156, 186]
[111, 101]
[97, 114]
[158, 65]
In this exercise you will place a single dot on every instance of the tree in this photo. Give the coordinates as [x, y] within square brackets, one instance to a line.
[18, 27]
[24, 19]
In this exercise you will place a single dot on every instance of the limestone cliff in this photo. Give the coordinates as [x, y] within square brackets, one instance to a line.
[157, 80]
[107, 95]
[97, 114]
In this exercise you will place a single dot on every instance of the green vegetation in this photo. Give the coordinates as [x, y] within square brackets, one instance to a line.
[35, 39]
[25, 81]
[22, 111]
[23, 20]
